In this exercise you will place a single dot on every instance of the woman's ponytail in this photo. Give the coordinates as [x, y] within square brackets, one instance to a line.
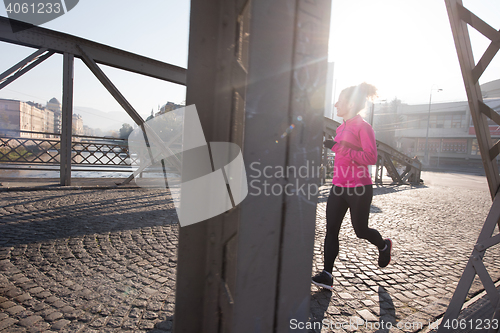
[358, 95]
[367, 90]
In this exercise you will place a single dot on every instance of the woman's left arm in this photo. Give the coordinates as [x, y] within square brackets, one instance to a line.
[368, 153]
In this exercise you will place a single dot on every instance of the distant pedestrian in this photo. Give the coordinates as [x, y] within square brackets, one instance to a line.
[355, 148]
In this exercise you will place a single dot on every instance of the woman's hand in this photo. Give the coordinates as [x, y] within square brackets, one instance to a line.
[329, 143]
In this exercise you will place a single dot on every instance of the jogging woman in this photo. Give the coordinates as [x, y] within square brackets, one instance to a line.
[355, 148]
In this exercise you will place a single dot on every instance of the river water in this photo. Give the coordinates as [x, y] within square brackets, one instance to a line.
[55, 174]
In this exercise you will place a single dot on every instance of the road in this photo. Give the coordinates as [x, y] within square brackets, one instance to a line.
[462, 180]
[105, 260]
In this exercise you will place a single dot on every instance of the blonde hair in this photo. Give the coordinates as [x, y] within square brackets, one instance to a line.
[358, 95]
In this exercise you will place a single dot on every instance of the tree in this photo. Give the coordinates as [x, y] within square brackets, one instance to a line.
[125, 131]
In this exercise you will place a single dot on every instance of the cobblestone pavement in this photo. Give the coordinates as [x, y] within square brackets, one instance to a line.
[433, 230]
[104, 260]
[87, 261]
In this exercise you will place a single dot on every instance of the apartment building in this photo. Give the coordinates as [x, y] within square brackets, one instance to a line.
[16, 116]
[446, 127]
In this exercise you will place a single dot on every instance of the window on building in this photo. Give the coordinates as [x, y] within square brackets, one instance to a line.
[432, 145]
[475, 148]
[447, 120]
[433, 121]
[457, 146]
[456, 121]
[440, 122]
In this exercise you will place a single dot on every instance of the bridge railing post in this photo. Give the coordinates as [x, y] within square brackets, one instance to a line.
[67, 120]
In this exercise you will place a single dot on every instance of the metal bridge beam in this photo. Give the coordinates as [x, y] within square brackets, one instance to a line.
[67, 119]
[249, 269]
[456, 14]
[106, 82]
[70, 46]
[23, 67]
[460, 17]
[59, 42]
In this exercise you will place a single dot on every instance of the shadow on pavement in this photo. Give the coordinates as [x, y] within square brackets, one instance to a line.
[387, 189]
[320, 302]
[387, 311]
[165, 325]
[28, 217]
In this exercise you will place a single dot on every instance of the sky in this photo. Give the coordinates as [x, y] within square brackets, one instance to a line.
[405, 48]
[158, 29]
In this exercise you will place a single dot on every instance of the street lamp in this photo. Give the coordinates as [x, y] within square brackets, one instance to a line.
[426, 157]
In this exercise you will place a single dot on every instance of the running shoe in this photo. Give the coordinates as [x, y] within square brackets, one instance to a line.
[323, 280]
[384, 257]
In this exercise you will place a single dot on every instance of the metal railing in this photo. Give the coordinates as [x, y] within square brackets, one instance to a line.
[35, 148]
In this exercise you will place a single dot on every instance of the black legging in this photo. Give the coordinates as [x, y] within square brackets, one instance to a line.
[358, 199]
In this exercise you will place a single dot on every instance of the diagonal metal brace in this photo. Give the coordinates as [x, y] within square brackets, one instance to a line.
[91, 64]
[484, 28]
[488, 112]
[473, 265]
[19, 69]
[106, 82]
[489, 33]
[488, 284]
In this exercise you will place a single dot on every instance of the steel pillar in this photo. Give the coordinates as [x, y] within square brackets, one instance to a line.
[460, 17]
[67, 119]
[249, 269]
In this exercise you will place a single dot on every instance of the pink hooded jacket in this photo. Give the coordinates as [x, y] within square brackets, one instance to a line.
[354, 151]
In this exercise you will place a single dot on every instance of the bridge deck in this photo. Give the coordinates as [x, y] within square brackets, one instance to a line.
[106, 259]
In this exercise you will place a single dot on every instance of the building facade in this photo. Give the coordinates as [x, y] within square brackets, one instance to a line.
[446, 129]
[77, 125]
[16, 116]
[55, 107]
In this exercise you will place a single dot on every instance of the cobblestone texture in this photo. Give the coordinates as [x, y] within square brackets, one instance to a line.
[87, 261]
[433, 230]
[105, 260]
